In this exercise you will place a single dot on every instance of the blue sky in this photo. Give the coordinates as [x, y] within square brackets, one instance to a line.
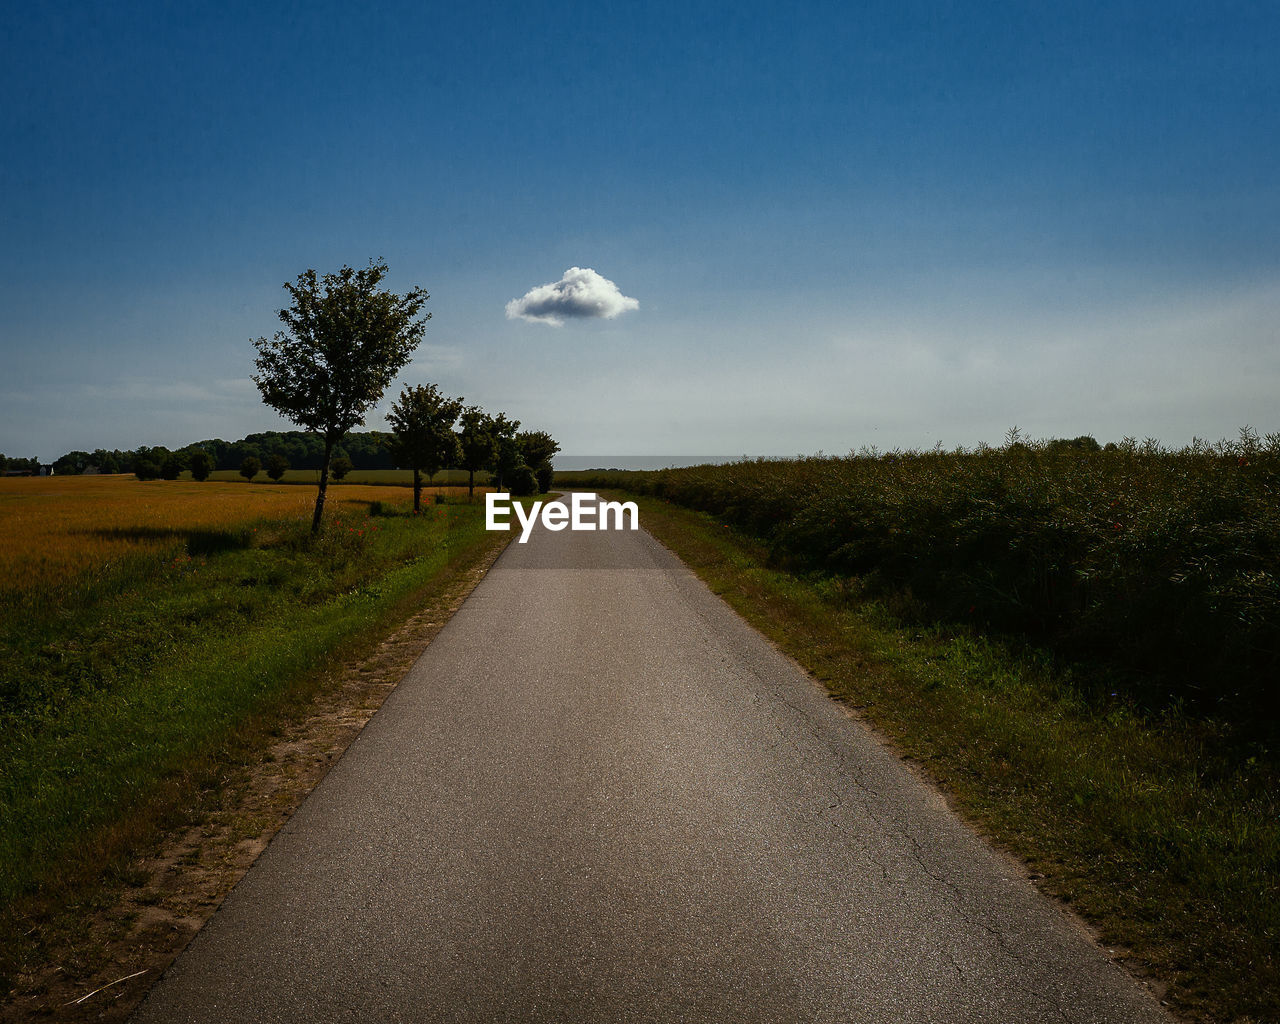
[844, 224]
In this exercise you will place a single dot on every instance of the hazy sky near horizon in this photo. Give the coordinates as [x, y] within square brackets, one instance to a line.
[824, 226]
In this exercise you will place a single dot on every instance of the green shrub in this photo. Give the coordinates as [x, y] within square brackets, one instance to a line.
[201, 465]
[340, 467]
[523, 483]
[277, 466]
[1161, 562]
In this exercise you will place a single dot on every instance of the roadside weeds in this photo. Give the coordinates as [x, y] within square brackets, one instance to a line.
[1164, 842]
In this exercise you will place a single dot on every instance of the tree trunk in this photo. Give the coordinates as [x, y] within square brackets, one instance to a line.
[471, 484]
[417, 489]
[324, 484]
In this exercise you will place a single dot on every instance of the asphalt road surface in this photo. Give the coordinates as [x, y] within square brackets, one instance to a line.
[600, 796]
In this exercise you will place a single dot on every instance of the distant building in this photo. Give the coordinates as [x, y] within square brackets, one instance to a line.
[41, 470]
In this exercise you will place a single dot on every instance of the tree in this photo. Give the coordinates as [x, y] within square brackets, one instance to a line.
[172, 466]
[345, 341]
[546, 476]
[145, 469]
[107, 462]
[523, 482]
[240, 451]
[506, 451]
[153, 457]
[72, 463]
[277, 466]
[201, 465]
[422, 433]
[476, 442]
[250, 467]
[538, 449]
[340, 467]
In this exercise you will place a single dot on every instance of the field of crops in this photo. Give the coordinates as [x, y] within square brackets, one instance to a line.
[1164, 564]
[65, 531]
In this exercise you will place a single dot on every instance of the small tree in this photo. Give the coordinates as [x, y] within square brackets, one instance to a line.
[539, 448]
[340, 467]
[546, 476]
[346, 339]
[145, 469]
[523, 482]
[201, 465]
[422, 433]
[506, 450]
[250, 467]
[277, 466]
[172, 466]
[476, 442]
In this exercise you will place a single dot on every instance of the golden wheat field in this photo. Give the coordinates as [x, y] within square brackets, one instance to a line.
[54, 529]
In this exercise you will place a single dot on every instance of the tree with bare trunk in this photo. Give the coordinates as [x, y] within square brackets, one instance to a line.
[345, 340]
[422, 433]
[477, 442]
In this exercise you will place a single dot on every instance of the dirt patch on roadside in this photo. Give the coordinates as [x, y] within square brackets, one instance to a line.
[100, 969]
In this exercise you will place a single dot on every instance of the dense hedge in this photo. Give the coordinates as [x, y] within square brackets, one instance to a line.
[1166, 562]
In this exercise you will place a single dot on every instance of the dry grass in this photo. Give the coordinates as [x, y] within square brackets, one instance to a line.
[55, 530]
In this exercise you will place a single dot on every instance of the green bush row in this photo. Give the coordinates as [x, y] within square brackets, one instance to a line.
[1164, 562]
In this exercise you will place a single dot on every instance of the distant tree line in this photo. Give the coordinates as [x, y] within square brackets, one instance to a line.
[31, 466]
[364, 450]
[494, 444]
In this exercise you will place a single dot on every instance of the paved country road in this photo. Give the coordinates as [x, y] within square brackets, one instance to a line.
[600, 796]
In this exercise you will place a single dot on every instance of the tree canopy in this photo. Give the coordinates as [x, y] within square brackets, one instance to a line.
[506, 450]
[538, 448]
[277, 467]
[477, 442]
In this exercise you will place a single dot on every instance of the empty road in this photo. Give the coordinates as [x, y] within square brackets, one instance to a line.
[600, 796]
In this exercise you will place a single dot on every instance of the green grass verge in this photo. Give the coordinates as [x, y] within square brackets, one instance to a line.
[1155, 829]
[123, 706]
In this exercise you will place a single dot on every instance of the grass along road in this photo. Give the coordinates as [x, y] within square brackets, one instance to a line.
[1166, 843]
[131, 698]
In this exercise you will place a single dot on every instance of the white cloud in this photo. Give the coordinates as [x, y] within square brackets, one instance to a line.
[580, 294]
